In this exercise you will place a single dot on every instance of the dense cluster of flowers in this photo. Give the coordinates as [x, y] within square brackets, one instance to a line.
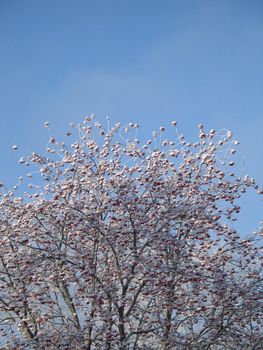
[130, 247]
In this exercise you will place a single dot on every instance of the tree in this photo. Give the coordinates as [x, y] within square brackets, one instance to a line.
[130, 247]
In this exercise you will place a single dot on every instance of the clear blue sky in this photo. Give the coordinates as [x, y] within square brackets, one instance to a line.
[147, 61]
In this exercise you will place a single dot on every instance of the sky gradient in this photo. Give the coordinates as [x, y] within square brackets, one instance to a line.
[145, 61]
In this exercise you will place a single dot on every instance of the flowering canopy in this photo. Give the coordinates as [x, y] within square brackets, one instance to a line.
[130, 247]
